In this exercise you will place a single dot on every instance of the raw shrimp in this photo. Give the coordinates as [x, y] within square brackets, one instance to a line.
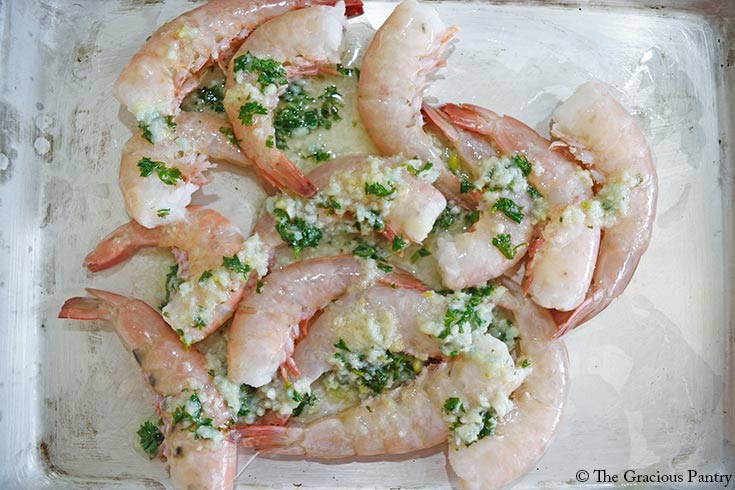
[157, 181]
[414, 208]
[169, 64]
[521, 439]
[399, 313]
[344, 185]
[418, 415]
[563, 257]
[405, 50]
[281, 50]
[198, 454]
[203, 242]
[600, 132]
[267, 322]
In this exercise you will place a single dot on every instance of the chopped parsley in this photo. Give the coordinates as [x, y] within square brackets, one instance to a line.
[348, 72]
[150, 437]
[378, 189]
[299, 110]
[259, 286]
[417, 170]
[533, 192]
[399, 243]
[172, 283]
[212, 97]
[270, 72]
[503, 243]
[319, 154]
[146, 132]
[466, 316]
[230, 135]
[445, 220]
[296, 232]
[489, 422]
[329, 203]
[368, 251]
[168, 175]
[392, 369]
[303, 402]
[190, 415]
[520, 160]
[233, 264]
[248, 110]
[163, 213]
[465, 186]
[205, 275]
[420, 253]
[525, 363]
[509, 208]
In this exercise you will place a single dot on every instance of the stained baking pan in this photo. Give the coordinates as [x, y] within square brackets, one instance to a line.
[651, 391]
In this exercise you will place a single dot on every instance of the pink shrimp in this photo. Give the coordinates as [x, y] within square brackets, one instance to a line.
[295, 43]
[157, 181]
[169, 64]
[175, 374]
[560, 269]
[202, 242]
[267, 322]
[600, 132]
[405, 50]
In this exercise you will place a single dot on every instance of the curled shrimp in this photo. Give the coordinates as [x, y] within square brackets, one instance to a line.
[208, 248]
[281, 50]
[405, 50]
[267, 322]
[198, 453]
[399, 312]
[169, 64]
[600, 132]
[562, 260]
[418, 415]
[157, 181]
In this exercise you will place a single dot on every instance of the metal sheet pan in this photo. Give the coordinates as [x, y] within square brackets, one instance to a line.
[652, 384]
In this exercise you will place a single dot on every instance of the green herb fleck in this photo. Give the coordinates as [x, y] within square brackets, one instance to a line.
[378, 189]
[146, 132]
[509, 208]
[163, 213]
[525, 363]
[415, 171]
[465, 186]
[296, 232]
[399, 243]
[341, 345]
[168, 176]
[270, 72]
[522, 163]
[420, 253]
[503, 243]
[270, 141]
[212, 97]
[319, 154]
[533, 192]
[172, 283]
[472, 217]
[445, 220]
[230, 135]
[451, 404]
[348, 72]
[259, 286]
[205, 275]
[248, 110]
[466, 317]
[150, 437]
[304, 401]
[233, 264]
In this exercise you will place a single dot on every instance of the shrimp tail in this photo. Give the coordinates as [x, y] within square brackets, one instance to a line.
[286, 175]
[273, 438]
[403, 279]
[79, 308]
[119, 245]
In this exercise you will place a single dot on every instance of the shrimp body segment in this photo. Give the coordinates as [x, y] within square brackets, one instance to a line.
[267, 323]
[199, 456]
[167, 67]
[204, 243]
[281, 50]
[521, 439]
[405, 50]
[563, 257]
[600, 132]
[157, 181]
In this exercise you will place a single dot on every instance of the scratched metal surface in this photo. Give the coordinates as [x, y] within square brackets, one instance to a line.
[651, 377]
